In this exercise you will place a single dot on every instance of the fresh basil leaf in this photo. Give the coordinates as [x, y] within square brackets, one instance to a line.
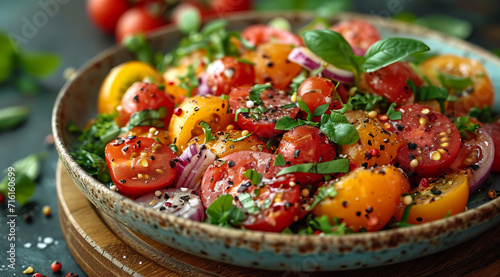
[254, 176]
[12, 117]
[387, 51]
[447, 24]
[189, 81]
[256, 192]
[248, 203]
[303, 106]
[323, 192]
[207, 130]
[289, 106]
[331, 47]
[430, 92]
[338, 129]
[324, 225]
[393, 114]
[189, 20]
[39, 64]
[222, 212]
[463, 124]
[280, 160]
[320, 110]
[240, 138]
[286, 123]
[458, 83]
[153, 118]
[138, 45]
[333, 166]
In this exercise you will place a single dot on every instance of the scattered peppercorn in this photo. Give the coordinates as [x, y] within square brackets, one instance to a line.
[47, 211]
[56, 266]
[27, 218]
[492, 194]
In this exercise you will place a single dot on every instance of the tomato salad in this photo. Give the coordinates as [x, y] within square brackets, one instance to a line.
[331, 131]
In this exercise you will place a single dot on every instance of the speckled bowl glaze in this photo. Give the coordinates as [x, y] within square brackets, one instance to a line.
[76, 103]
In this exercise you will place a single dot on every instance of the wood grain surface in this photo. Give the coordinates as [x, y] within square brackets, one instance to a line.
[103, 247]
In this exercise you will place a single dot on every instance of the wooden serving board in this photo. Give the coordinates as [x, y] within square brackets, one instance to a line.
[103, 247]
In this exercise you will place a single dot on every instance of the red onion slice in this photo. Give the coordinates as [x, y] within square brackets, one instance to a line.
[193, 162]
[481, 145]
[310, 61]
[181, 202]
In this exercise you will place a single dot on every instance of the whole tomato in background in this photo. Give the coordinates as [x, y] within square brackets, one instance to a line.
[128, 17]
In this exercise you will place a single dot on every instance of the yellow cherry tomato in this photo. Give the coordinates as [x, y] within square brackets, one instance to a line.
[481, 92]
[119, 79]
[227, 142]
[366, 198]
[445, 196]
[185, 122]
[375, 146]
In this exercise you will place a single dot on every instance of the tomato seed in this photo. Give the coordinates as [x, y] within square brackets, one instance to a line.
[407, 200]
[372, 114]
[426, 111]
[414, 163]
[436, 156]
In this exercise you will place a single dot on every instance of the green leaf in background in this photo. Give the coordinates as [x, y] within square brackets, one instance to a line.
[8, 52]
[190, 20]
[39, 64]
[280, 23]
[387, 51]
[447, 24]
[26, 172]
[26, 84]
[138, 45]
[12, 117]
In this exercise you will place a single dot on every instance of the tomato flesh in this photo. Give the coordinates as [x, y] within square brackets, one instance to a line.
[260, 34]
[140, 165]
[359, 34]
[228, 73]
[432, 141]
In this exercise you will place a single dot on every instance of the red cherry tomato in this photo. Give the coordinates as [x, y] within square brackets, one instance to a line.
[137, 20]
[306, 144]
[390, 82]
[222, 7]
[145, 96]
[317, 91]
[261, 123]
[282, 201]
[432, 141]
[359, 34]
[105, 13]
[228, 73]
[260, 34]
[56, 266]
[140, 165]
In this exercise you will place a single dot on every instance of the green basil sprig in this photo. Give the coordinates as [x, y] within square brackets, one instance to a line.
[334, 49]
[333, 166]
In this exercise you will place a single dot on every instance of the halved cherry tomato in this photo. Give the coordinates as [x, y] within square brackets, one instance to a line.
[185, 124]
[140, 165]
[359, 34]
[260, 34]
[390, 82]
[278, 202]
[145, 96]
[479, 95]
[446, 195]
[119, 79]
[432, 141]
[316, 91]
[306, 144]
[148, 132]
[272, 65]
[230, 141]
[375, 145]
[261, 123]
[366, 198]
[228, 73]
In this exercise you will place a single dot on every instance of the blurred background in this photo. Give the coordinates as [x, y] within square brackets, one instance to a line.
[42, 42]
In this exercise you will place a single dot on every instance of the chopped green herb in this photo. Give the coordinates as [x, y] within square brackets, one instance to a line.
[286, 123]
[240, 138]
[207, 130]
[404, 217]
[189, 81]
[338, 129]
[240, 110]
[365, 101]
[484, 114]
[138, 45]
[458, 83]
[257, 91]
[248, 203]
[430, 92]
[298, 80]
[245, 61]
[463, 124]
[333, 166]
[393, 114]
[153, 118]
[254, 176]
[173, 147]
[323, 192]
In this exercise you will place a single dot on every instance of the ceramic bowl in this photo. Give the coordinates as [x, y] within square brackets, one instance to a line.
[76, 103]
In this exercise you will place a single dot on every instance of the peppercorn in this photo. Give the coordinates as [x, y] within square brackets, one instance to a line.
[56, 266]
[47, 211]
[492, 194]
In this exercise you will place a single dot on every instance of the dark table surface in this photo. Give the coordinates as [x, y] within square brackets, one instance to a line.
[69, 33]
